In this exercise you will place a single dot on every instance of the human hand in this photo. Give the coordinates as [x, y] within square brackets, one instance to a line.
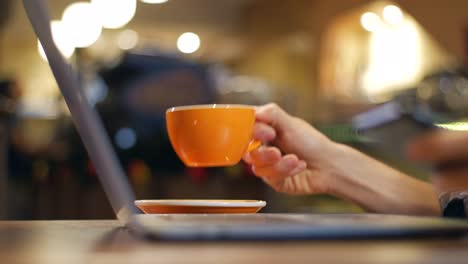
[296, 155]
[297, 159]
[447, 151]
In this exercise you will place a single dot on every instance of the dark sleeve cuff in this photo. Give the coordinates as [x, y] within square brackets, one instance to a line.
[454, 204]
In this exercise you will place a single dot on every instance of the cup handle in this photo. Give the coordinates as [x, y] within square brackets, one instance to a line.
[253, 145]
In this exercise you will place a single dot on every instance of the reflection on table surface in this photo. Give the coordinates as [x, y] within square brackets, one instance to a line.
[104, 241]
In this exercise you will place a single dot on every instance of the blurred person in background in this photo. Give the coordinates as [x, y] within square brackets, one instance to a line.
[299, 160]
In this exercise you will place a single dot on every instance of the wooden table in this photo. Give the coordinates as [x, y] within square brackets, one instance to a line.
[104, 242]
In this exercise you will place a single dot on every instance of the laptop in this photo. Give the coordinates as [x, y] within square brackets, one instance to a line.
[196, 227]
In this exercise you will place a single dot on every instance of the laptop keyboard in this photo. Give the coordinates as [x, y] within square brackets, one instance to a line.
[289, 219]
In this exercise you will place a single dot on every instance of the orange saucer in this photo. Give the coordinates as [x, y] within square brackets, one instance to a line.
[175, 206]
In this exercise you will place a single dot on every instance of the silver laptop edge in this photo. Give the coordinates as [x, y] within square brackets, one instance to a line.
[85, 118]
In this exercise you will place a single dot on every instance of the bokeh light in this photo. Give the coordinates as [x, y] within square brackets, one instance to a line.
[125, 138]
[61, 39]
[127, 39]
[114, 13]
[82, 24]
[370, 21]
[393, 15]
[188, 42]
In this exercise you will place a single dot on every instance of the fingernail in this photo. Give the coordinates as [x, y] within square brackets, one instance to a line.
[302, 164]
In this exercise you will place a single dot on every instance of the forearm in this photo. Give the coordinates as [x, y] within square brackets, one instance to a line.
[377, 187]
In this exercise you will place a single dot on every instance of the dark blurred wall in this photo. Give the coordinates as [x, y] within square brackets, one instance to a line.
[446, 21]
[4, 11]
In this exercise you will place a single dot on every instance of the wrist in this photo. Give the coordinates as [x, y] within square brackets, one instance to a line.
[336, 167]
[375, 186]
[330, 161]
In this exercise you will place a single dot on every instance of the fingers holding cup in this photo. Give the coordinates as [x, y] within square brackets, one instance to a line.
[263, 156]
[276, 173]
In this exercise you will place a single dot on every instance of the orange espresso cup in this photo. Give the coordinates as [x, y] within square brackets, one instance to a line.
[211, 135]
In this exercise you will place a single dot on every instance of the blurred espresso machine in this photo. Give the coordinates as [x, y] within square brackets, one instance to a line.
[438, 101]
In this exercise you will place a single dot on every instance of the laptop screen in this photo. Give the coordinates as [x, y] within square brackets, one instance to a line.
[85, 118]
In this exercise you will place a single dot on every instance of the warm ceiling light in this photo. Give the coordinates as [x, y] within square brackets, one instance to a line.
[188, 42]
[393, 15]
[127, 39]
[82, 24]
[61, 40]
[154, 1]
[370, 21]
[115, 13]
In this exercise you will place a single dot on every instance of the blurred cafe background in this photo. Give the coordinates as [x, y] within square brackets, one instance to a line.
[322, 60]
